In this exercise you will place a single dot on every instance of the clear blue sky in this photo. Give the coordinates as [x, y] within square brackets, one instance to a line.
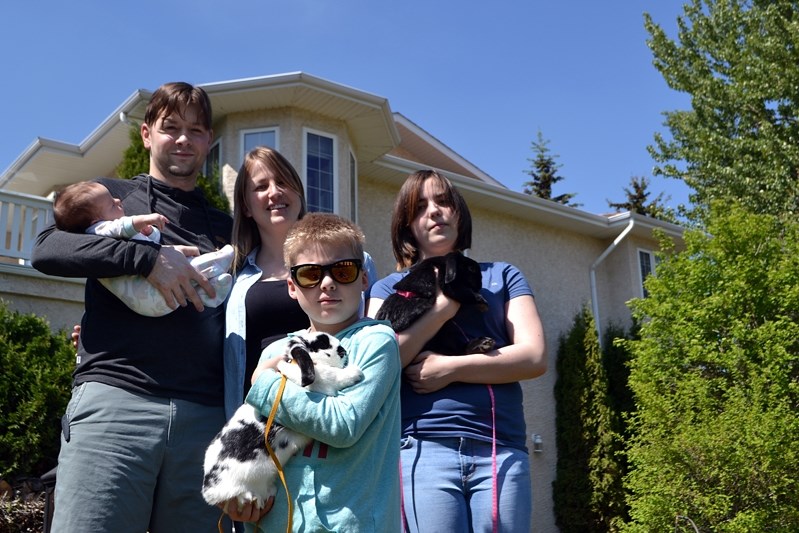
[482, 77]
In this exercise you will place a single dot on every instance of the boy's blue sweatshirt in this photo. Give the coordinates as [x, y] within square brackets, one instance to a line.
[349, 478]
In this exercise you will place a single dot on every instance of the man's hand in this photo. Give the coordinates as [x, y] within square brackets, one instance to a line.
[173, 275]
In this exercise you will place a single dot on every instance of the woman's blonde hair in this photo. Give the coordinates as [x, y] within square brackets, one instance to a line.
[245, 232]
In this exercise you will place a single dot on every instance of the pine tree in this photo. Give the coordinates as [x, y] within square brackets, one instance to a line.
[544, 174]
[637, 201]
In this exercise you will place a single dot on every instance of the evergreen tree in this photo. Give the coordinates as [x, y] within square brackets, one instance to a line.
[588, 491]
[739, 62]
[638, 201]
[544, 174]
[136, 160]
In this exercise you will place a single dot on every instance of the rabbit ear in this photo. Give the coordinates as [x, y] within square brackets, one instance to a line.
[300, 355]
[451, 268]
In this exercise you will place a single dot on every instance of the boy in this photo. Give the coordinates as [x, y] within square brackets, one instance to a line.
[89, 207]
[348, 479]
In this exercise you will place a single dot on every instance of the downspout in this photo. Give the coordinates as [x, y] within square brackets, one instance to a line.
[594, 298]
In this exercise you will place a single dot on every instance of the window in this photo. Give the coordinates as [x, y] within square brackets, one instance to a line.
[646, 263]
[320, 173]
[212, 165]
[260, 137]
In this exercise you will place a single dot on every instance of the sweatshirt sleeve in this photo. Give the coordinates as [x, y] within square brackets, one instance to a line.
[340, 420]
[79, 255]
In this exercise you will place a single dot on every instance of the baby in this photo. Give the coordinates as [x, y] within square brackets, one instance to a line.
[88, 207]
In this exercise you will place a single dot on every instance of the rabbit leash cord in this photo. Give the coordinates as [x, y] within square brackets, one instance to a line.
[269, 449]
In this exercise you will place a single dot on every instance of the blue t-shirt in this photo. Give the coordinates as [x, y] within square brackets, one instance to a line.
[464, 409]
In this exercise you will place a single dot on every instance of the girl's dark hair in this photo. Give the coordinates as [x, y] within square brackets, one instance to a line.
[406, 207]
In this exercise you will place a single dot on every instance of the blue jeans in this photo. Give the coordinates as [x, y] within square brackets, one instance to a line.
[133, 463]
[447, 485]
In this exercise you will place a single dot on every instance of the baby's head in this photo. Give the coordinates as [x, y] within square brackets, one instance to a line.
[78, 206]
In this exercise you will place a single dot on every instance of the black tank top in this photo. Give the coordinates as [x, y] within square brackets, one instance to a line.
[271, 315]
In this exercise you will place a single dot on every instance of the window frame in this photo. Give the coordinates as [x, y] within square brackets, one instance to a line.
[334, 166]
[653, 261]
[216, 145]
[248, 131]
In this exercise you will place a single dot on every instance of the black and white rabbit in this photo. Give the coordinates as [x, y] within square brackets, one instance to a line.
[237, 464]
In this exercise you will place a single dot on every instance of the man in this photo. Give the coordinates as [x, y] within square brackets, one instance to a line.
[148, 392]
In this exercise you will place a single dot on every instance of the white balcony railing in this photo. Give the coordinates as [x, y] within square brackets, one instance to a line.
[22, 217]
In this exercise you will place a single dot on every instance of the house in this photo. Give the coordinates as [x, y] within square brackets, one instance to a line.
[359, 151]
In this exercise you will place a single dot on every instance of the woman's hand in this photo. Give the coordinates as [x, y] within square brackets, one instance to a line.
[429, 372]
[249, 512]
[75, 336]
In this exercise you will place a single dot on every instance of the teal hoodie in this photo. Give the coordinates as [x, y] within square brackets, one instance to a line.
[347, 480]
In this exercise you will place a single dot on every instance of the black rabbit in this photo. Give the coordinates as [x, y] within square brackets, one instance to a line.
[460, 279]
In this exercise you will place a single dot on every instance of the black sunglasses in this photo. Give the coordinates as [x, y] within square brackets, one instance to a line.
[310, 275]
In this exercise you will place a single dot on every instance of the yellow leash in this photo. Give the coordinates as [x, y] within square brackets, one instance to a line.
[272, 452]
[269, 449]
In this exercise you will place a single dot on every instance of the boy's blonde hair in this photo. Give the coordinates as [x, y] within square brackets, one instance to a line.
[322, 229]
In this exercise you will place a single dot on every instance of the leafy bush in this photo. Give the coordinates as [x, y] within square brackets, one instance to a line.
[716, 381]
[35, 380]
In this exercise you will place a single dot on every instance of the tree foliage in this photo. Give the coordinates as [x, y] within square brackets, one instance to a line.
[136, 160]
[716, 380]
[588, 491]
[739, 62]
[544, 174]
[35, 378]
[638, 201]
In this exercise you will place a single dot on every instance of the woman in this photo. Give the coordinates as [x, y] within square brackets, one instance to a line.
[462, 412]
[268, 199]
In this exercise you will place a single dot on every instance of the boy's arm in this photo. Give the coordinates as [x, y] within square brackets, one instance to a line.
[340, 420]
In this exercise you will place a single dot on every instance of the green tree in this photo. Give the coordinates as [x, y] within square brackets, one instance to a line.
[136, 160]
[35, 377]
[638, 201]
[588, 491]
[716, 380]
[544, 174]
[739, 62]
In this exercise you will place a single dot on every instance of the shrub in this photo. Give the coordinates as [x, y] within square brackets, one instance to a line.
[35, 379]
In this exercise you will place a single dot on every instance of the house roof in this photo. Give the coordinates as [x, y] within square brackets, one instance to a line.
[46, 163]
[389, 146]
